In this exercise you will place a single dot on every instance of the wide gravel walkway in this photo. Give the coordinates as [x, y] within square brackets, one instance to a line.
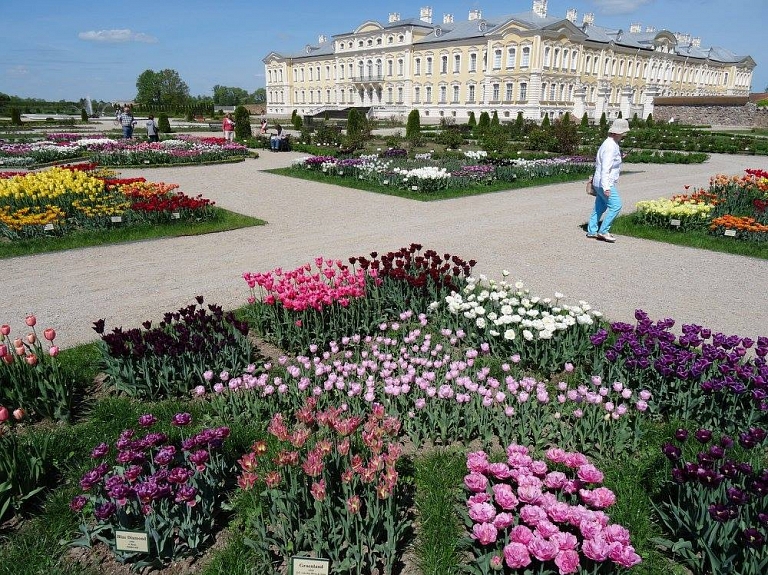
[535, 233]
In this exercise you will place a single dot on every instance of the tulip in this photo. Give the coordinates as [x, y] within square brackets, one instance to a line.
[17, 342]
[20, 350]
[3, 349]
[31, 359]
[5, 329]
[31, 338]
[8, 358]
[19, 414]
[49, 334]
[4, 413]
[54, 351]
[31, 320]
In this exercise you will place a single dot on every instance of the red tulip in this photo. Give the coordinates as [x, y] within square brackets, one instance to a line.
[31, 359]
[54, 351]
[31, 320]
[8, 358]
[5, 329]
[49, 334]
[4, 415]
[19, 414]
[3, 349]
[31, 338]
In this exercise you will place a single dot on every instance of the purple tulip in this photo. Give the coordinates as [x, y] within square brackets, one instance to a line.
[703, 435]
[147, 420]
[181, 419]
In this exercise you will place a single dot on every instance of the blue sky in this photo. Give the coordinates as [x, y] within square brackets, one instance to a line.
[70, 50]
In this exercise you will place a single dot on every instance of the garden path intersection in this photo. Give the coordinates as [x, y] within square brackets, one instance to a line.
[535, 233]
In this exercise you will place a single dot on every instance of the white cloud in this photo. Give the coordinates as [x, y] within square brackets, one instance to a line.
[619, 6]
[114, 36]
[17, 71]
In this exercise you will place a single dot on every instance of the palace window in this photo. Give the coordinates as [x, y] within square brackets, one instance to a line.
[543, 90]
[455, 94]
[456, 63]
[442, 94]
[547, 51]
[556, 58]
[574, 59]
[511, 57]
[473, 62]
[390, 67]
[389, 95]
[471, 96]
[496, 96]
[400, 67]
[523, 91]
[443, 64]
[497, 59]
[526, 60]
[417, 67]
[416, 95]
[510, 92]
[328, 96]
[429, 65]
[428, 95]
[399, 95]
[552, 89]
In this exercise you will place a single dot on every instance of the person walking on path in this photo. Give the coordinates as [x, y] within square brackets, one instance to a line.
[604, 181]
[152, 129]
[229, 128]
[127, 121]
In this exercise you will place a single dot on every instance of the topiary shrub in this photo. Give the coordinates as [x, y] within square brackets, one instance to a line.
[358, 129]
[242, 123]
[495, 118]
[163, 124]
[450, 137]
[649, 121]
[472, 122]
[545, 122]
[565, 136]
[603, 121]
[483, 124]
[190, 117]
[585, 121]
[297, 122]
[413, 126]
[494, 139]
[15, 117]
[83, 116]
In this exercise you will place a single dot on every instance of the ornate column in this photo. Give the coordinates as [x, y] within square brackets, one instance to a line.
[579, 102]
[651, 91]
[625, 103]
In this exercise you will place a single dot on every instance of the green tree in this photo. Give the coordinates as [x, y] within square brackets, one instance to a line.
[358, 129]
[495, 118]
[494, 139]
[519, 126]
[545, 122]
[297, 121]
[242, 123]
[15, 116]
[83, 116]
[413, 126]
[259, 96]
[565, 136]
[603, 121]
[472, 122]
[483, 123]
[635, 121]
[229, 96]
[164, 88]
[163, 124]
[649, 121]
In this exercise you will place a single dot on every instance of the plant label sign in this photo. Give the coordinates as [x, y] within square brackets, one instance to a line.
[117, 219]
[136, 541]
[675, 223]
[175, 215]
[48, 227]
[730, 233]
[309, 566]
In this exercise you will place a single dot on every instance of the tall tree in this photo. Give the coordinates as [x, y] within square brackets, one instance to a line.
[230, 96]
[259, 96]
[161, 88]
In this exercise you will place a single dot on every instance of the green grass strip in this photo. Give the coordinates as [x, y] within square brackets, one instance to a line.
[625, 225]
[367, 186]
[223, 221]
[439, 475]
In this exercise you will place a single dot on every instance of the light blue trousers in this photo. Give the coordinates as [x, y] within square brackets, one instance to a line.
[603, 203]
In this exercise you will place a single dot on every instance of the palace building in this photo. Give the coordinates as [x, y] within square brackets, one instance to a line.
[532, 62]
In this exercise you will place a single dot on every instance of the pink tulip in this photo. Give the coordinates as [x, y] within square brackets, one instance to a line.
[5, 329]
[4, 415]
[516, 555]
[31, 359]
[30, 320]
[567, 561]
[31, 338]
[54, 351]
[19, 414]
[3, 349]
[485, 533]
[49, 334]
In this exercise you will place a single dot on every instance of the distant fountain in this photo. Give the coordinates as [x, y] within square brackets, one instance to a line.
[88, 106]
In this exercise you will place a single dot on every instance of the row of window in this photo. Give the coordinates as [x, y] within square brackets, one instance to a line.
[552, 92]
[369, 42]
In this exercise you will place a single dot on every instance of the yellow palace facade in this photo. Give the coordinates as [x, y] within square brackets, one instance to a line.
[531, 62]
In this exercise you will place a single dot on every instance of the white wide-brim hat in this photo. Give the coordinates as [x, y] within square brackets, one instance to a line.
[619, 126]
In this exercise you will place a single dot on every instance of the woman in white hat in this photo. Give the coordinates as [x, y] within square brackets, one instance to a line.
[607, 169]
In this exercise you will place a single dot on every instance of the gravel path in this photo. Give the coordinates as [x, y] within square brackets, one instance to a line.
[535, 233]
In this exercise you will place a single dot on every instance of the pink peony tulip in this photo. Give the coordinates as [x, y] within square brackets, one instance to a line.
[476, 482]
[54, 351]
[516, 555]
[567, 561]
[588, 473]
[4, 415]
[542, 549]
[485, 533]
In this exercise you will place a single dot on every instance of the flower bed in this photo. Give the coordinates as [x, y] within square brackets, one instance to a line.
[110, 152]
[426, 175]
[732, 206]
[58, 201]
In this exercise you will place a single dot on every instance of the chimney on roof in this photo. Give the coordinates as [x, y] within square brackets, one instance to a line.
[588, 19]
[650, 29]
[447, 18]
[571, 14]
[322, 38]
[394, 17]
[475, 14]
[540, 8]
[696, 42]
[425, 15]
[635, 28]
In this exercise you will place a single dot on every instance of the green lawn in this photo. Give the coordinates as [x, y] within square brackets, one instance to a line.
[224, 220]
[625, 225]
